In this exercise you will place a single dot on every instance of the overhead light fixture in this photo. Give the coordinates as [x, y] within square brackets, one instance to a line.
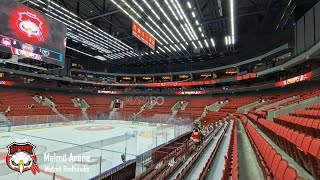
[193, 14]
[135, 2]
[187, 22]
[161, 49]
[226, 39]
[100, 58]
[168, 19]
[200, 29]
[79, 51]
[34, 3]
[183, 46]
[167, 48]
[88, 32]
[197, 22]
[232, 21]
[200, 44]
[173, 48]
[202, 34]
[212, 42]
[205, 41]
[194, 45]
[189, 5]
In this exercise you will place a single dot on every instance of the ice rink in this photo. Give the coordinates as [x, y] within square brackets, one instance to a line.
[108, 139]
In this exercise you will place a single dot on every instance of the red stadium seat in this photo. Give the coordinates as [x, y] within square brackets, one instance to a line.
[283, 165]
[290, 174]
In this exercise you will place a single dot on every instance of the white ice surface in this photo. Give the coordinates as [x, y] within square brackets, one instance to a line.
[69, 139]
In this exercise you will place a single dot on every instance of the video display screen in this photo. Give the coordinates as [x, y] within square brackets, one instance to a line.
[26, 32]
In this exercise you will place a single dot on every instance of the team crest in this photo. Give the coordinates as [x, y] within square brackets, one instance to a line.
[21, 157]
[30, 24]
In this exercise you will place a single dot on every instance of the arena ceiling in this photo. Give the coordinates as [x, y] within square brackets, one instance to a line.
[186, 30]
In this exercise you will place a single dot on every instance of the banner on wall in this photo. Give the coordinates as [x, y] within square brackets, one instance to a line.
[109, 92]
[182, 84]
[143, 35]
[6, 83]
[190, 92]
[294, 80]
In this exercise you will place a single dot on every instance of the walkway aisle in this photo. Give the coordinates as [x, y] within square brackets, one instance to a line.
[190, 158]
[249, 168]
[197, 168]
[217, 165]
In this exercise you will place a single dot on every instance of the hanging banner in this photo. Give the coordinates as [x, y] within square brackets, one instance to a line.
[143, 36]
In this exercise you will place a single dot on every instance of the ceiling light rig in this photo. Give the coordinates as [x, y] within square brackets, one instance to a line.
[201, 31]
[179, 15]
[89, 35]
[153, 22]
[158, 35]
[230, 39]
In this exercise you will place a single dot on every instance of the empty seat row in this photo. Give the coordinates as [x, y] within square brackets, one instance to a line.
[306, 125]
[272, 163]
[309, 113]
[304, 149]
[315, 106]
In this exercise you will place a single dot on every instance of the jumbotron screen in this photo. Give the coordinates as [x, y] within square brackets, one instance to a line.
[26, 32]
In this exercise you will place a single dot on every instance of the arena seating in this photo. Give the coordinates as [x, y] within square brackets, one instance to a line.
[130, 107]
[65, 105]
[98, 104]
[196, 106]
[315, 106]
[235, 103]
[19, 102]
[272, 163]
[229, 108]
[302, 96]
[308, 113]
[160, 108]
[304, 149]
[308, 126]
[272, 99]
[213, 116]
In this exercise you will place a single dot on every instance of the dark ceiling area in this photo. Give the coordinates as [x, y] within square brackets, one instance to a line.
[259, 26]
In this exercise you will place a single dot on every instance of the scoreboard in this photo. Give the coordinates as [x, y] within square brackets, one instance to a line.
[28, 33]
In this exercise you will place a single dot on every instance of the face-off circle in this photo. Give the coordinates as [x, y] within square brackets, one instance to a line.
[94, 128]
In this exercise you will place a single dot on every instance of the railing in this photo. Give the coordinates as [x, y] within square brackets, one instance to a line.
[155, 118]
[42, 119]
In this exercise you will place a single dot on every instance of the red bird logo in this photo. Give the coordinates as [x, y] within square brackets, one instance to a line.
[30, 24]
[21, 157]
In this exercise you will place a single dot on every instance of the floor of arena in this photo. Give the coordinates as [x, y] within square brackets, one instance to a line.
[108, 140]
